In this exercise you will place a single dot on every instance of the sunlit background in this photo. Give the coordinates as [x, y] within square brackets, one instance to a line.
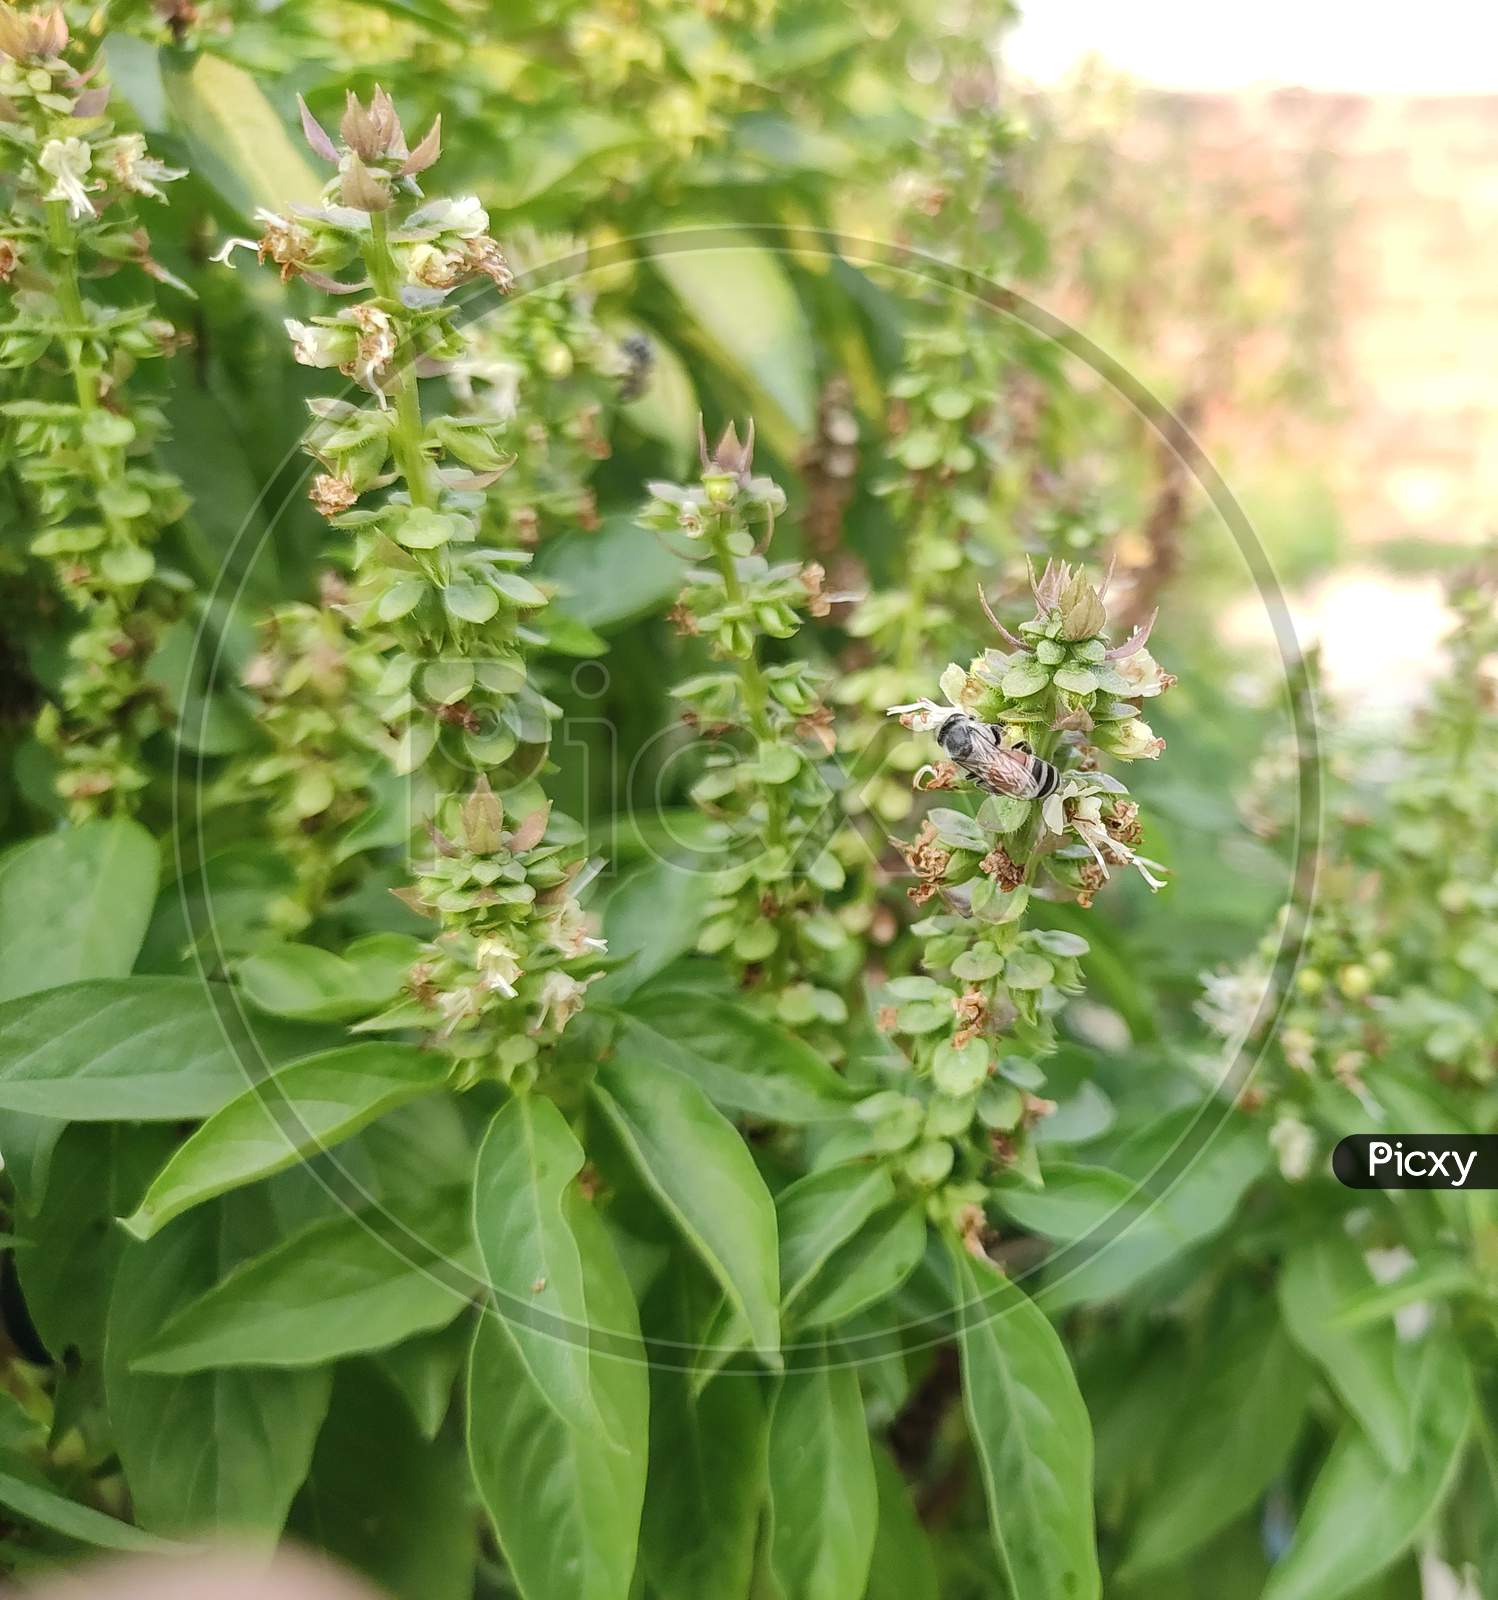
[1359, 160]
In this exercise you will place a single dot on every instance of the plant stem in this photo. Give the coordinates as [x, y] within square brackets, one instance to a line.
[103, 461]
[410, 430]
[70, 299]
[756, 691]
[756, 694]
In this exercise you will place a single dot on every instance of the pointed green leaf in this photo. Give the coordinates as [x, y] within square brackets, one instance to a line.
[823, 1497]
[694, 1162]
[1360, 1517]
[819, 1213]
[653, 917]
[745, 312]
[22, 1492]
[75, 904]
[868, 1268]
[347, 1283]
[234, 136]
[211, 1452]
[1209, 1476]
[425, 1370]
[525, 1169]
[308, 984]
[135, 1049]
[615, 574]
[1031, 1434]
[707, 1467]
[68, 1250]
[747, 1066]
[291, 1116]
[904, 1567]
[1321, 1277]
[392, 1505]
[564, 1500]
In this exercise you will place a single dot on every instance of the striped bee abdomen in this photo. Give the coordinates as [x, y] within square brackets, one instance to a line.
[979, 749]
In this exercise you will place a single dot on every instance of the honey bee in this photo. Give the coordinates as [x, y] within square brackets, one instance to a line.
[978, 748]
[1012, 769]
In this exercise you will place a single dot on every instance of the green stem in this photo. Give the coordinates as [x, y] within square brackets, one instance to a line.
[756, 694]
[751, 676]
[103, 461]
[70, 299]
[410, 430]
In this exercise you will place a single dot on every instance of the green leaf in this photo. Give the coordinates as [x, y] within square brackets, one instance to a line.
[400, 598]
[868, 1268]
[748, 1066]
[234, 138]
[347, 1283]
[212, 1452]
[426, 1368]
[904, 1567]
[744, 311]
[1320, 1278]
[1434, 1280]
[22, 1492]
[1031, 1433]
[1191, 1189]
[707, 1470]
[134, 1049]
[135, 75]
[959, 1069]
[30, 1143]
[652, 918]
[694, 1162]
[818, 1214]
[1360, 1517]
[389, 1503]
[613, 575]
[307, 984]
[1209, 1475]
[75, 904]
[68, 1250]
[564, 1499]
[526, 1166]
[1004, 813]
[919, 449]
[823, 1497]
[290, 1116]
[1081, 1202]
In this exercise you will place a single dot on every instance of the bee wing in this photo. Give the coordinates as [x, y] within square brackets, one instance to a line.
[1003, 770]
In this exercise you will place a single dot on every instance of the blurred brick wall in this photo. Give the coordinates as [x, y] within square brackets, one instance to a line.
[1398, 198]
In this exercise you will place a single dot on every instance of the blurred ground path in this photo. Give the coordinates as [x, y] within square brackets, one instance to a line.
[225, 1576]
